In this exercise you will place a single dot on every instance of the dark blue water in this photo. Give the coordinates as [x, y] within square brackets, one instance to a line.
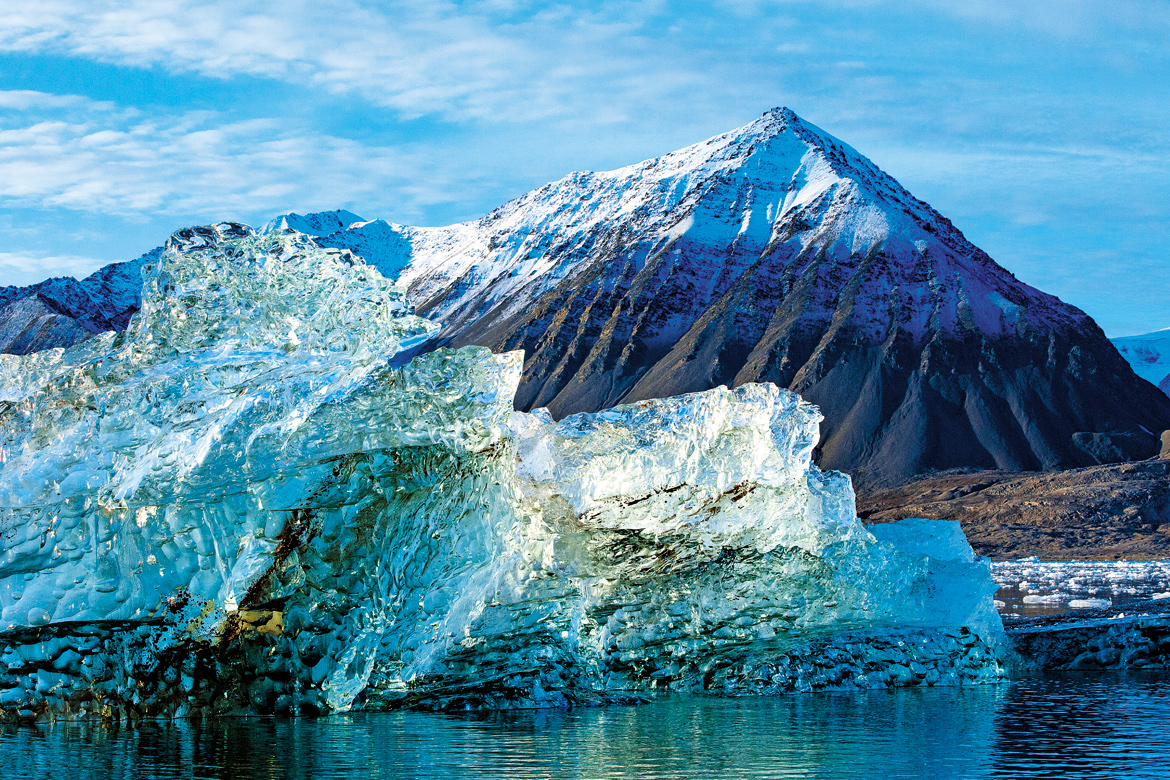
[1068, 726]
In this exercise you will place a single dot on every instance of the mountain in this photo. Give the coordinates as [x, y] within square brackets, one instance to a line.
[63, 311]
[321, 223]
[778, 253]
[774, 253]
[1149, 354]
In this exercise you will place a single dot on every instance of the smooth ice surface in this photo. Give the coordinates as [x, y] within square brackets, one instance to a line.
[251, 502]
[942, 540]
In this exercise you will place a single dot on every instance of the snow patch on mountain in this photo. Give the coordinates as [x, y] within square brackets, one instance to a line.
[1149, 354]
[777, 184]
[320, 223]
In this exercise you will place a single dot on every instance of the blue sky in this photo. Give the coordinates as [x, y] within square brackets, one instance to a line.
[1042, 129]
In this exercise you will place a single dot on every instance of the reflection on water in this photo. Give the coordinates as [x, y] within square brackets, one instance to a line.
[1072, 726]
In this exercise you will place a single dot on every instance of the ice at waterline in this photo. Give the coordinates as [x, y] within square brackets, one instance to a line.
[250, 502]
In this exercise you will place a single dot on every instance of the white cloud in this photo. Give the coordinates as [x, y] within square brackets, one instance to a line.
[19, 269]
[428, 56]
[26, 99]
[91, 157]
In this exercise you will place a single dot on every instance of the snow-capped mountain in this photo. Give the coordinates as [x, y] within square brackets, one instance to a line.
[63, 311]
[1149, 354]
[321, 223]
[778, 253]
[774, 253]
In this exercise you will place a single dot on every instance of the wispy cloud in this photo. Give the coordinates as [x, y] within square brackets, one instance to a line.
[456, 59]
[28, 99]
[68, 152]
[20, 269]
[1069, 19]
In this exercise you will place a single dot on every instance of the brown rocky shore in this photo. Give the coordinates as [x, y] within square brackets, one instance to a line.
[1111, 512]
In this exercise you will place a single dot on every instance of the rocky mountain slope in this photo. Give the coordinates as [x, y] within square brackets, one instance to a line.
[774, 253]
[63, 311]
[1149, 354]
[777, 253]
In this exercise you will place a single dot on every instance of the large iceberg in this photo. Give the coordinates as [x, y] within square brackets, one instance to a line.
[256, 500]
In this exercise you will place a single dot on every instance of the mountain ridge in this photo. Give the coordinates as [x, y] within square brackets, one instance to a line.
[63, 311]
[778, 253]
[774, 252]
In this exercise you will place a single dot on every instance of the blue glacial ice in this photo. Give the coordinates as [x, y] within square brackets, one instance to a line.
[251, 502]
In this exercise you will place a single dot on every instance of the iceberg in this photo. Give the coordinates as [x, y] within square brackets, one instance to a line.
[271, 494]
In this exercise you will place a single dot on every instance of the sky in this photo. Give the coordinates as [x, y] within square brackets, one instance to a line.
[1040, 128]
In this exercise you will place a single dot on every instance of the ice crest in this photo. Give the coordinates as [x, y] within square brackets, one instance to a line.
[252, 501]
[731, 467]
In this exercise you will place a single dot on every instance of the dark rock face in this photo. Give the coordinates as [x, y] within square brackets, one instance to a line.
[35, 323]
[1112, 512]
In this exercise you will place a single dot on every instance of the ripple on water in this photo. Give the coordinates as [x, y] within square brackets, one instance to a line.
[1052, 726]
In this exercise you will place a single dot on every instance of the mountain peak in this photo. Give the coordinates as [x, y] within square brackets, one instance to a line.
[777, 121]
[777, 149]
[318, 223]
[782, 114]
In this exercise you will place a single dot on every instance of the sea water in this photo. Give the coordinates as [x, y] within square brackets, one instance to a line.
[1044, 726]
[1032, 588]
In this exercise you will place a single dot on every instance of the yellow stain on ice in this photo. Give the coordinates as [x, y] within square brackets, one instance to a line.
[208, 608]
[262, 621]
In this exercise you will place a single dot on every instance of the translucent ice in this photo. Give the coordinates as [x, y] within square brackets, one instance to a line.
[252, 502]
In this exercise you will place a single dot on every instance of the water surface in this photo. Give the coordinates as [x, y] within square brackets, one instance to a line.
[1051, 726]
[1032, 588]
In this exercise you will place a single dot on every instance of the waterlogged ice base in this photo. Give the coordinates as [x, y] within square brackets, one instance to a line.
[251, 502]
